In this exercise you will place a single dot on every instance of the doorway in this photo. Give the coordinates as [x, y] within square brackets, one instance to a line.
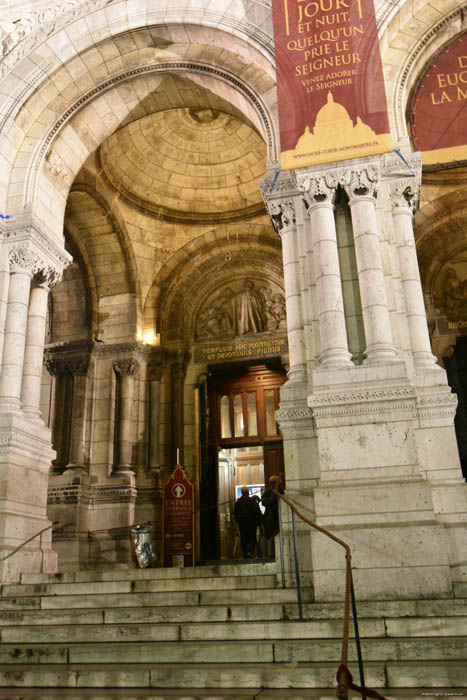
[244, 447]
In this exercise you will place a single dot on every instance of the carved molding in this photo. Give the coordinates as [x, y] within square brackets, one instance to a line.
[365, 396]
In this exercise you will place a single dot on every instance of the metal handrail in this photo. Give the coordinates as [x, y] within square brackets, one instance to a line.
[20, 546]
[343, 676]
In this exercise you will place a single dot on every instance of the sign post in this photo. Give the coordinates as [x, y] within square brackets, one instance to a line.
[178, 509]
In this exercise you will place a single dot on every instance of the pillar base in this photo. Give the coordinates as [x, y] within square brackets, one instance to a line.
[25, 457]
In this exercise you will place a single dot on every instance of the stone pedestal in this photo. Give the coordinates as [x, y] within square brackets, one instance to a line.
[93, 520]
[25, 457]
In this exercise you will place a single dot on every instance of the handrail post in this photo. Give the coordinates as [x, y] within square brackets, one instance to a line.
[357, 637]
[281, 544]
[297, 569]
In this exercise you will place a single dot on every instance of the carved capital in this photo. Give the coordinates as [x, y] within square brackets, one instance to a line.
[126, 368]
[56, 368]
[46, 275]
[317, 190]
[177, 371]
[282, 213]
[156, 368]
[21, 259]
[404, 196]
[78, 366]
[359, 182]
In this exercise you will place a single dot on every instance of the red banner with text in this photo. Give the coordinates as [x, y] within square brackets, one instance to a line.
[439, 111]
[178, 520]
[332, 102]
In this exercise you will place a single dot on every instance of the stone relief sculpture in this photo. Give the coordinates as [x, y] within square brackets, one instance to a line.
[455, 292]
[237, 313]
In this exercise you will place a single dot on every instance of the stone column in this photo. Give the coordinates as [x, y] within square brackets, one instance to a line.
[35, 337]
[155, 370]
[78, 370]
[283, 216]
[361, 187]
[333, 334]
[125, 371]
[177, 371]
[402, 196]
[21, 272]
[59, 424]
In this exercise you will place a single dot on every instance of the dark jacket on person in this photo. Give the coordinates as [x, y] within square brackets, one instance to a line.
[271, 515]
[247, 511]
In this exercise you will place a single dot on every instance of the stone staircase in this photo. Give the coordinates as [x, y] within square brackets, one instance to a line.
[214, 632]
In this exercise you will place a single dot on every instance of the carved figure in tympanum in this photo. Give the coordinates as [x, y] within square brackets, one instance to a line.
[236, 313]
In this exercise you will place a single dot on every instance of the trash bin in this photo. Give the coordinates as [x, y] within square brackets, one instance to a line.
[141, 536]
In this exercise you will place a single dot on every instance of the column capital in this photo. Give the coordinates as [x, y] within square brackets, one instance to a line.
[178, 371]
[404, 195]
[156, 368]
[78, 366]
[22, 260]
[25, 233]
[283, 214]
[318, 190]
[55, 367]
[126, 368]
[360, 182]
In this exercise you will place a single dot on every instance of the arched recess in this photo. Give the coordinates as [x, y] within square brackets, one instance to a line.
[73, 303]
[410, 36]
[441, 233]
[214, 260]
[96, 233]
[78, 116]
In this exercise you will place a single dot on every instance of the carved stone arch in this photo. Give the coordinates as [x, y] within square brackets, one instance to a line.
[74, 127]
[220, 258]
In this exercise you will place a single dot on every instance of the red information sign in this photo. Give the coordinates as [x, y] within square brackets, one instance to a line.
[178, 520]
[332, 103]
[439, 113]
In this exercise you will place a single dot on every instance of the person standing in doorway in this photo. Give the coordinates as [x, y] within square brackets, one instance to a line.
[271, 515]
[247, 515]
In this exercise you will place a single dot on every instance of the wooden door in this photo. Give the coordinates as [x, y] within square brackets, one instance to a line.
[242, 402]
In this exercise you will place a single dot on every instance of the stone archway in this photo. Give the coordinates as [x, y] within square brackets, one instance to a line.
[57, 141]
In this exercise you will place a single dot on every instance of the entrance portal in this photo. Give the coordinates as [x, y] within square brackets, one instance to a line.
[244, 447]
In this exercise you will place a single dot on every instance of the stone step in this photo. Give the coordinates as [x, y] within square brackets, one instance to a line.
[177, 676]
[279, 651]
[176, 598]
[215, 694]
[417, 674]
[239, 631]
[390, 627]
[137, 585]
[170, 614]
[259, 568]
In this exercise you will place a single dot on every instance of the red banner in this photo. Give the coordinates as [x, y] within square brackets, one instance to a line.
[439, 112]
[178, 520]
[332, 103]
